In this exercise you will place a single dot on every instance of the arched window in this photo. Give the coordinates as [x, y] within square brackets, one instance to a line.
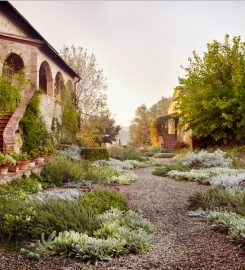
[45, 79]
[59, 86]
[12, 65]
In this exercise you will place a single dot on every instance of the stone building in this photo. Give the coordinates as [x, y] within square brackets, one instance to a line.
[23, 47]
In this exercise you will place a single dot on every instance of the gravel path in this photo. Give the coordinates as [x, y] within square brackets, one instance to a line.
[180, 242]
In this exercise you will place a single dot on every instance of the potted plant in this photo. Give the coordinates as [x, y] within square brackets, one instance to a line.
[40, 156]
[14, 168]
[33, 154]
[49, 149]
[24, 161]
[5, 162]
[43, 151]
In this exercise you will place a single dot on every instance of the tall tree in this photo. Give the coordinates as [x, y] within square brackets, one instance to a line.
[139, 130]
[160, 107]
[100, 129]
[212, 101]
[90, 96]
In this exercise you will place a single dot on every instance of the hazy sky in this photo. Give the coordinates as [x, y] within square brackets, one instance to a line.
[140, 45]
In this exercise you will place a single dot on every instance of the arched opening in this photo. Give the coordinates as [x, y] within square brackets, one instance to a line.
[12, 65]
[59, 86]
[45, 79]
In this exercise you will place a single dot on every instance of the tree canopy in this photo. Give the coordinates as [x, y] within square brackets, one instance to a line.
[142, 130]
[100, 129]
[90, 96]
[212, 101]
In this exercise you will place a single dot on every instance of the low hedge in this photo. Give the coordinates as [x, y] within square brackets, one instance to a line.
[93, 154]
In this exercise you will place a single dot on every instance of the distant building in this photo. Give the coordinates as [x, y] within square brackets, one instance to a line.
[175, 132]
[22, 47]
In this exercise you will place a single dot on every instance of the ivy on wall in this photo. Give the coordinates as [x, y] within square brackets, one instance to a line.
[69, 115]
[10, 94]
[34, 131]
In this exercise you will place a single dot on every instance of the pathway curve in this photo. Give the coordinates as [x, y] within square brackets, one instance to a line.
[180, 242]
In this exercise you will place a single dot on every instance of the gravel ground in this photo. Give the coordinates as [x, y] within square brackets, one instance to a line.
[180, 242]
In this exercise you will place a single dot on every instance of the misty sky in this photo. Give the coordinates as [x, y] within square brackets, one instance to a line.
[140, 45]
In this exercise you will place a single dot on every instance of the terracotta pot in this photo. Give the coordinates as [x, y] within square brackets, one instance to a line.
[32, 163]
[40, 160]
[24, 165]
[14, 168]
[4, 169]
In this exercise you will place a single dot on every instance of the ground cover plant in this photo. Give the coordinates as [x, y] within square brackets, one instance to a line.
[101, 200]
[119, 233]
[231, 224]
[87, 227]
[213, 199]
[215, 168]
[93, 226]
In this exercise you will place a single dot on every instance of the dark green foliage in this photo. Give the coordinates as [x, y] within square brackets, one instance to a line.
[93, 154]
[35, 133]
[59, 169]
[163, 170]
[102, 200]
[10, 95]
[69, 115]
[60, 215]
[212, 98]
[14, 217]
[212, 198]
[20, 219]
[164, 155]
[126, 153]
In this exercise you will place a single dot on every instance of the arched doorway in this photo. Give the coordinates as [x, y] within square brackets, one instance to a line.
[12, 65]
[45, 79]
[59, 86]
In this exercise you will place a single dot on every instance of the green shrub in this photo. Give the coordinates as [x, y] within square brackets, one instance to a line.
[34, 131]
[15, 218]
[69, 115]
[100, 174]
[164, 155]
[213, 198]
[102, 200]
[58, 170]
[119, 233]
[163, 170]
[126, 153]
[93, 154]
[10, 95]
[58, 215]
[21, 184]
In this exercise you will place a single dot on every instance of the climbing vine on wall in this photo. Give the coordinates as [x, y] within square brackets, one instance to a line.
[10, 93]
[34, 131]
[69, 115]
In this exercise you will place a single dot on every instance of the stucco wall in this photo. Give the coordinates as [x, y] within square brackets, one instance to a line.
[8, 26]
